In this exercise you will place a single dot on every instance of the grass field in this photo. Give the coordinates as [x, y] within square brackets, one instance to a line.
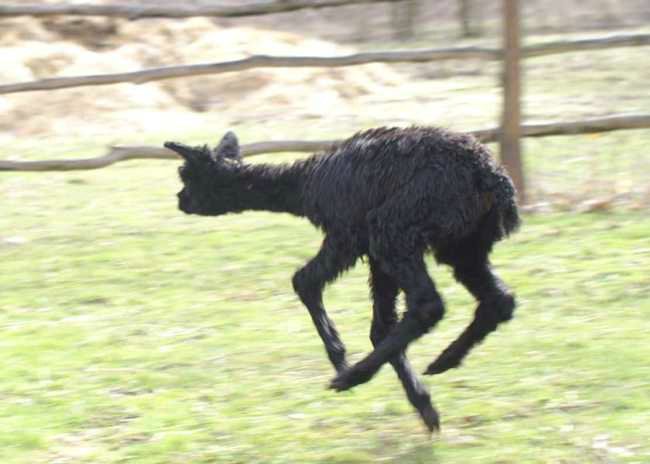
[132, 333]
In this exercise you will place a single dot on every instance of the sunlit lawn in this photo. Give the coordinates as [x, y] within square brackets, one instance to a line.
[132, 333]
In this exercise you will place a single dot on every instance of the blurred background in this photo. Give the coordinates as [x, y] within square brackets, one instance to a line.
[135, 334]
[461, 94]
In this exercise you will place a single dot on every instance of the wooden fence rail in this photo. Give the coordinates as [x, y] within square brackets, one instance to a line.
[124, 153]
[156, 11]
[511, 53]
[265, 61]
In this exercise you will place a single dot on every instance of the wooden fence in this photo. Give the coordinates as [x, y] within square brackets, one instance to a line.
[124, 153]
[266, 61]
[508, 133]
[180, 11]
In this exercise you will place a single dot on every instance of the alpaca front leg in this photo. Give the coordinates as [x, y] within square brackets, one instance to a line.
[309, 283]
[424, 309]
[384, 292]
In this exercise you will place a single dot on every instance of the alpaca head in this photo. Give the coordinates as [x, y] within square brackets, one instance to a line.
[210, 177]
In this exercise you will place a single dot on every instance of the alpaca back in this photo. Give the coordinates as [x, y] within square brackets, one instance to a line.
[446, 170]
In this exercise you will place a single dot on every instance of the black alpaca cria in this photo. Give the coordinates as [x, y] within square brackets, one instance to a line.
[389, 194]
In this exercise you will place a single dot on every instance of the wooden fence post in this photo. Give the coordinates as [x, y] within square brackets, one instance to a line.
[511, 118]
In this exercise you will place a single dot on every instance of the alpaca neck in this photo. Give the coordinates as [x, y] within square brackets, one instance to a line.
[268, 187]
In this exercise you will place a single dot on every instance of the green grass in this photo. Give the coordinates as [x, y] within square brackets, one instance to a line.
[132, 333]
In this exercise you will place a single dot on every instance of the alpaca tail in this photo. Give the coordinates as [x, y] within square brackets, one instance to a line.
[502, 218]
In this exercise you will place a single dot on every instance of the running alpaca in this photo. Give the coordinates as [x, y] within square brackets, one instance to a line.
[389, 194]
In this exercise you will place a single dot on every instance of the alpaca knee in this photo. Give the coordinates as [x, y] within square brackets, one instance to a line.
[303, 285]
[298, 282]
[492, 312]
[426, 310]
[505, 307]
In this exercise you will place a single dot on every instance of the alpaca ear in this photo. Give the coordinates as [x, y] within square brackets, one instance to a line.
[185, 151]
[228, 147]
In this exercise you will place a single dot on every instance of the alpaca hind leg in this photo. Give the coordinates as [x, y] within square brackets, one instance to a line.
[384, 291]
[496, 305]
[309, 283]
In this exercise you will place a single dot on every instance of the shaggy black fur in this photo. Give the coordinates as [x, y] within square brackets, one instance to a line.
[390, 194]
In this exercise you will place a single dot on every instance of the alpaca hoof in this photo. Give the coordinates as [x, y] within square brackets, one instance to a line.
[435, 368]
[440, 365]
[430, 418]
[348, 379]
